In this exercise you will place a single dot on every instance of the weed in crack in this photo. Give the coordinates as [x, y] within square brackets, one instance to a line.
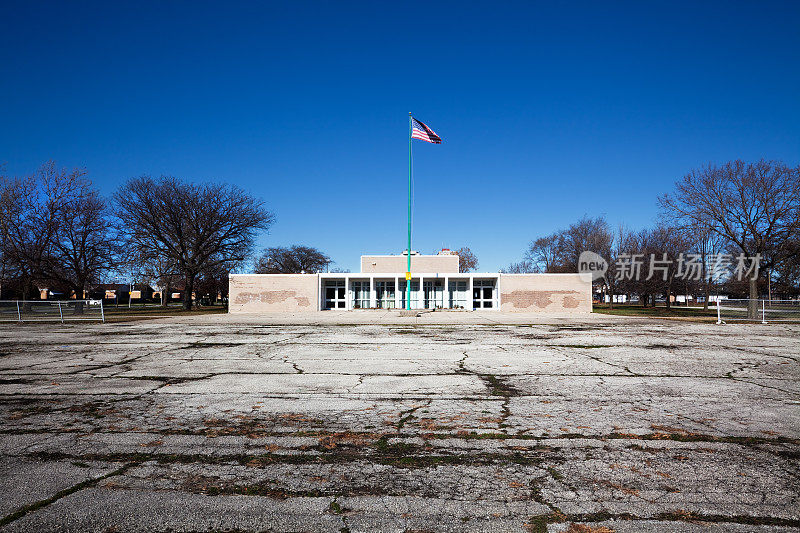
[19, 513]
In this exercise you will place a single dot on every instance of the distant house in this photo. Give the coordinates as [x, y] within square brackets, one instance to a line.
[120, 292]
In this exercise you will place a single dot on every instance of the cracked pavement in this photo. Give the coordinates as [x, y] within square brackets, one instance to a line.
[248, 424]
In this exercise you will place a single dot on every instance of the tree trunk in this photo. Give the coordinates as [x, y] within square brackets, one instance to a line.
[752, 304]
[610, 297]
[78, 297]
[707, 284]
[78, 305]
[669, 296]
[187, 295]
[165, 295]
[27, 285]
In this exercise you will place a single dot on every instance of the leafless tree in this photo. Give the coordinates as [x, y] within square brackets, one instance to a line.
[587, 234]
[160, 271]
[755, 206]
[197, 226]
[212, 283]
[615, 248]
[545, 254]
[657, 252]
[787, 271]
[3, 258]
[560, 251]
[522, 267]
[668, 245]
[86, 244]
[296, 259]
[707, 244]
[32, 209]
[467, 261]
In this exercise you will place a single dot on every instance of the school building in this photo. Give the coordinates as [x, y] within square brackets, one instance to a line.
[436, 283]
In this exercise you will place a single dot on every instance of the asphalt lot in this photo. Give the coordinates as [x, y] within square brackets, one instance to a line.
[413, 424]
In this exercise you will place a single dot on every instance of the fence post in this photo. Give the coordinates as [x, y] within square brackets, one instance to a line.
[102, 313]
[763, 313]
[719, 317]
[19, 313]
[60, 312]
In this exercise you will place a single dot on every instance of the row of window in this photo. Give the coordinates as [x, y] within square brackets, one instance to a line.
[433, 294]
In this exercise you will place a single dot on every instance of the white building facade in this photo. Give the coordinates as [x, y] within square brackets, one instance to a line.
[435, 284]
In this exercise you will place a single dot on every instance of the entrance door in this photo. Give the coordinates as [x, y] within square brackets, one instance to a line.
[433, 293]
[335, 294]
[483, 293]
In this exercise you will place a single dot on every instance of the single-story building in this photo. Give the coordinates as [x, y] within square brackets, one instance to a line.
[436, 283]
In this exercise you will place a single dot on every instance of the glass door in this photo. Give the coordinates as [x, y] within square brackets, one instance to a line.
[335, 294]
[457, 294]
[483, 293]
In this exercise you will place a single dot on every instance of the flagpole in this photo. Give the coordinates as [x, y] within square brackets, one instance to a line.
[408, 270]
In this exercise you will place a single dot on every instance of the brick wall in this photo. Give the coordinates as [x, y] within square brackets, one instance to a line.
[565, 294]
[273, 293]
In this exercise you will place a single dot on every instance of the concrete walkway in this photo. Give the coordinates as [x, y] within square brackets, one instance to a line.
[387, 317]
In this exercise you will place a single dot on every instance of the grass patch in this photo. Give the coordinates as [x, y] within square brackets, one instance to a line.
[659, 312]
[497, 387]
[585, 346]
[124, 314]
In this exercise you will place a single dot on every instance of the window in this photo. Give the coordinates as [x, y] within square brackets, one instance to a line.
[334, 294]
[433, 293]
[385, 295]
[483, 293]
[361, 295]
[414, 294]
[458, 294]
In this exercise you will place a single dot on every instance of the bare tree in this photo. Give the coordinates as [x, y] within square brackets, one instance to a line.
[615, 249]
[522, 267]
[296, 259]
[587, 234]
[708, 244]
[634, 250]
[199, 227]
[158, 270]
[559, 251]
[467, 261]
[32, 209]
[212, 283]
[668, 245]
[86, 244]
[787, 271]
[545, 254]
[755, 206]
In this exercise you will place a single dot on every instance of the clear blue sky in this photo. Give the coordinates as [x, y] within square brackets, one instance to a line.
[548, 110]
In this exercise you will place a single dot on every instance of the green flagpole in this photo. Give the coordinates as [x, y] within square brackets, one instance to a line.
[408, 270]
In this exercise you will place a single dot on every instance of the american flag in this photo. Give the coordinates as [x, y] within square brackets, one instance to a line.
[424, 133]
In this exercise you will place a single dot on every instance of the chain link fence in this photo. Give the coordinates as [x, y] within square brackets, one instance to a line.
[51, 310]
[764, 311]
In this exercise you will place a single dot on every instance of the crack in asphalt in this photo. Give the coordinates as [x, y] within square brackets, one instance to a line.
[19, 513]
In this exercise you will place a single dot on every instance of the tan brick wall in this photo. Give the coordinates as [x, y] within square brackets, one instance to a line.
[419, 263]
[562, 294]
[273, 293]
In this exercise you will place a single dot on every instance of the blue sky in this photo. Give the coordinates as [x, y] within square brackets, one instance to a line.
[548, 110]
